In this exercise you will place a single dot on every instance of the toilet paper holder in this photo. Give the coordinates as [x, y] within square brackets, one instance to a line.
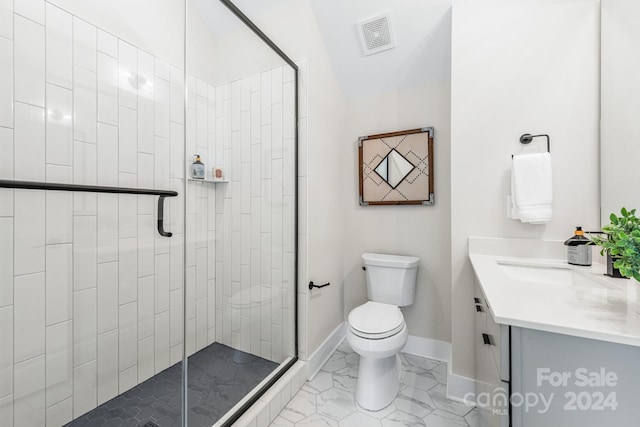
[312, 285]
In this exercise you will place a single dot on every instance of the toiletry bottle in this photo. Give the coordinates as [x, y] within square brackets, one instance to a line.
[197, 168]
[578, 248]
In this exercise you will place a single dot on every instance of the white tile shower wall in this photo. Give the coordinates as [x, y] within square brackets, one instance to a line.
[200, 203]
[254, 211]
[100, 111]
[90, 294]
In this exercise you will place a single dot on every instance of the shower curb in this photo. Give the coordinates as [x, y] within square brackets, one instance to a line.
[267, 408]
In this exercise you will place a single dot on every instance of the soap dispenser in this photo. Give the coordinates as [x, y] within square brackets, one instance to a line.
[578, 248]
[197, 168]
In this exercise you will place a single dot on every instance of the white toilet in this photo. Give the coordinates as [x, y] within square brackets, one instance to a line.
[376, 329]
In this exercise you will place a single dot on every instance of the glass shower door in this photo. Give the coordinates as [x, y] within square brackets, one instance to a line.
[115, 263]
[241, 226]
[91, 288]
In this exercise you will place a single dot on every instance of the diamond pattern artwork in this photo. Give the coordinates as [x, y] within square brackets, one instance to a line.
[397, 168]
[394, 168]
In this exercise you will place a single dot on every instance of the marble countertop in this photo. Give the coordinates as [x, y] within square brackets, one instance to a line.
[591, 306]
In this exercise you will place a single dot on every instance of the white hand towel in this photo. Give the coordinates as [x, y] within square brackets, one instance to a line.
[513, 213]
[532, 187]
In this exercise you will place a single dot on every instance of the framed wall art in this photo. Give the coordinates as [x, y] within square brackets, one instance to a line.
[396, 168]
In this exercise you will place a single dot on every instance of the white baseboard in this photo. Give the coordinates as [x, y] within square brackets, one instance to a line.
[325, 350]
[429, 348]
[460, 389]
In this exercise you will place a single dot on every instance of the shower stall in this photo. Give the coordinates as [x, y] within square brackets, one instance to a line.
[131, 292]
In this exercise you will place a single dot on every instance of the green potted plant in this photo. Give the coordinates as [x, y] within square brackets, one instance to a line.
[621, 244]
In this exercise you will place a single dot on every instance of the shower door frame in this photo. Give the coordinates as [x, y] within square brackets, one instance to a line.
[283, 369]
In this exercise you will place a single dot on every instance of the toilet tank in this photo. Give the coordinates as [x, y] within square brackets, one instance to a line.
[391, 279]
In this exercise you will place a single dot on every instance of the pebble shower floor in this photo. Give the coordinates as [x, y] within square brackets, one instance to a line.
[218, 378]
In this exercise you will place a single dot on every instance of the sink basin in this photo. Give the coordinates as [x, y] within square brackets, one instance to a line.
[551, 275]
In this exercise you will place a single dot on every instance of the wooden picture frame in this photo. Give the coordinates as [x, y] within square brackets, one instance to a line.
[396, 168]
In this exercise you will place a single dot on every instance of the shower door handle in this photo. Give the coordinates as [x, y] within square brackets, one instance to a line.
[161, 218]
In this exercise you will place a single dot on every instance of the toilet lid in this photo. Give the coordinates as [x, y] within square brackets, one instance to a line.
[376, 320]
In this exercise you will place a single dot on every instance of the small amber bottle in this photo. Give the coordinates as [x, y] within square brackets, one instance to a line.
[578, 248]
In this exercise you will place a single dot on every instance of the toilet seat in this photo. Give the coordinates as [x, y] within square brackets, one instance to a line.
[374, 320]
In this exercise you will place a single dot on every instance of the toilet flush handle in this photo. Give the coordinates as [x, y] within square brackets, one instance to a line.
[364, 268]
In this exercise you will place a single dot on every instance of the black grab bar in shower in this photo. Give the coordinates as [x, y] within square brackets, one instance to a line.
[51, 186]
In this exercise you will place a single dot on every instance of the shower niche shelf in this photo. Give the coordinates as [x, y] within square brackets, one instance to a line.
[211, 181]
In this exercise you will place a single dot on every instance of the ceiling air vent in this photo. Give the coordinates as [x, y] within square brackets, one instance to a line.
[376, 35]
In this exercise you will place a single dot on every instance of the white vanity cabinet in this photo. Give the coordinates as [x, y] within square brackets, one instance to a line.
[491, 345]
[531, 378]
[568, 381]
[563, 340]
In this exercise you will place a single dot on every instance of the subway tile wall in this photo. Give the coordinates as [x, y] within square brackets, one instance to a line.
[91, 297]
[254, 130]
[90, 294]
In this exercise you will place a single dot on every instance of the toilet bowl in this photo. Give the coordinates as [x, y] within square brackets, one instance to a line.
[377, 333]
[376, 330]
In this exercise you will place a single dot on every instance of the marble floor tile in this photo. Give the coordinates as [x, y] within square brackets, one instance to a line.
[344, 348]
[336, 362]
[300, 407]
[323, 381]
[421, 362]
[336, 403]
[440, 373]
[281, 422]
[346, 379]
[317, 420]
[414, 401]
[422, 380]
[382, 413]
[440, 418]
[473, 418]
[353, 360]
[329, 401]
[439, 396]
[358, 419]
[402, 419]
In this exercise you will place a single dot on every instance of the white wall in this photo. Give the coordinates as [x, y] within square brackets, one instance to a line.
[423, 231]
[620, 105]
[526, 66]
